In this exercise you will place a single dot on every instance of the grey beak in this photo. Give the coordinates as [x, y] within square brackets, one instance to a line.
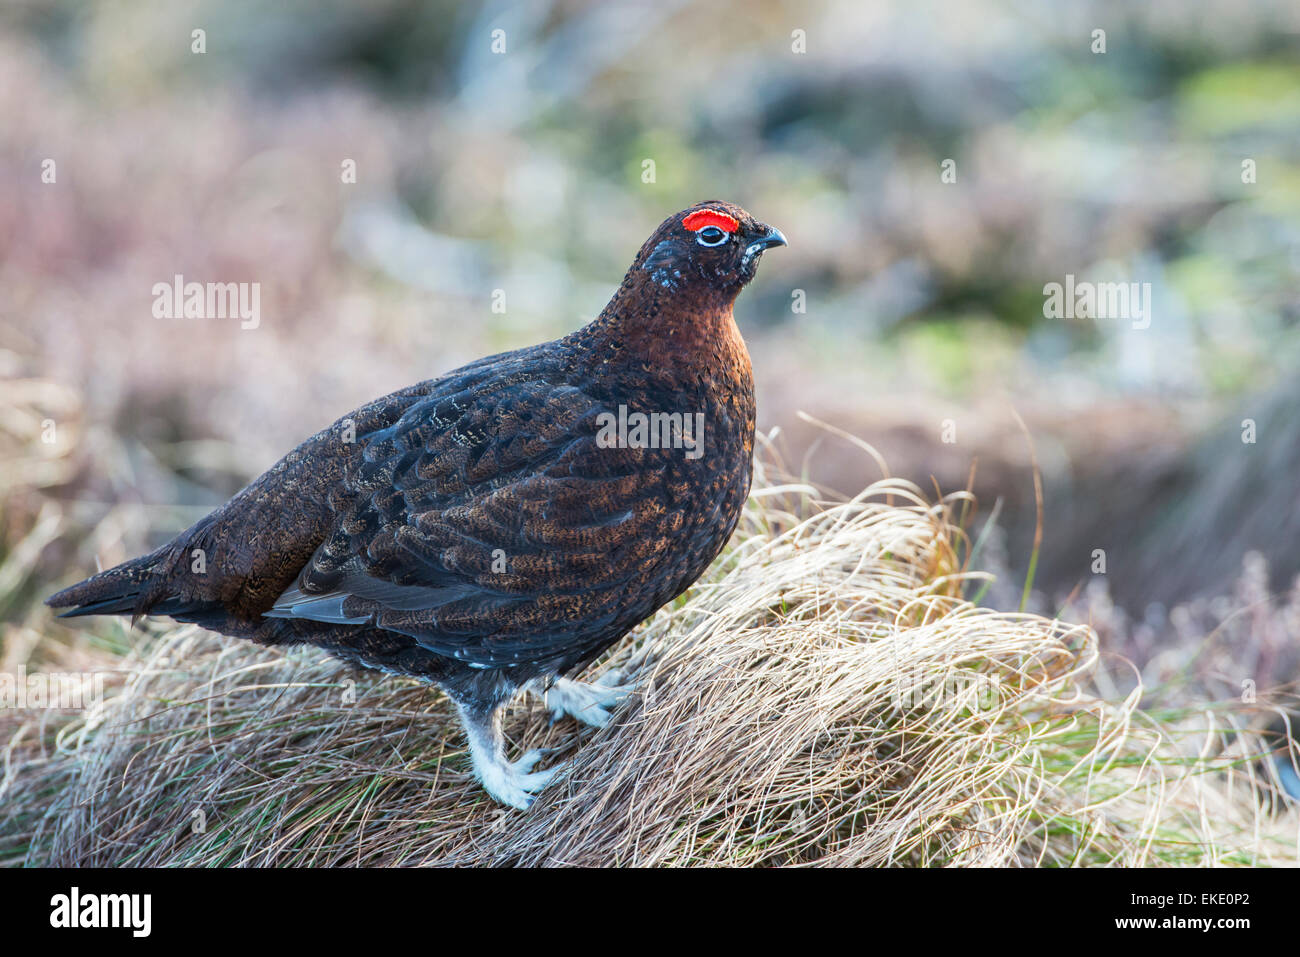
[773, 237]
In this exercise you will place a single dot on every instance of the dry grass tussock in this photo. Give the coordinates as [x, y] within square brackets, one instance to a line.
[824, 696]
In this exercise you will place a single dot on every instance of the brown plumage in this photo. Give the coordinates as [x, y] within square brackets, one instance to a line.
[493, 528]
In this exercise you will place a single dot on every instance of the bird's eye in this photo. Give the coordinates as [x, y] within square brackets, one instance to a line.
[711, 236]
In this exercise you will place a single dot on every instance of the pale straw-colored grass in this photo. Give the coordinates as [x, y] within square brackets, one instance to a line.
[824, 695]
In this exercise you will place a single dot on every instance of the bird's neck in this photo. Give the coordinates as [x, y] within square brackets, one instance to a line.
[689, 331]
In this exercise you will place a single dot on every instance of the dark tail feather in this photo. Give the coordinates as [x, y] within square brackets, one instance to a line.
[120, 605]
[121, 590]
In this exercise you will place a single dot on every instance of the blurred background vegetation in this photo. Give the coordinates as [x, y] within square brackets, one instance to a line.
[526, 171]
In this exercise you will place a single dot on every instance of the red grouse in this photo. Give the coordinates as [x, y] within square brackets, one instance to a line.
[500, 526]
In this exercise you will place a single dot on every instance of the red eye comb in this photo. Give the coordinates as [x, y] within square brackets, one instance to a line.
[710, 217]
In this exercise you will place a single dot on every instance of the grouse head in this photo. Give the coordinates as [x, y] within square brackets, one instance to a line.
[710, 247]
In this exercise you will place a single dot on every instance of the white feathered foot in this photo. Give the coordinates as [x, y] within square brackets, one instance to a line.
[512, 783]
[592, 704]
[516, 783]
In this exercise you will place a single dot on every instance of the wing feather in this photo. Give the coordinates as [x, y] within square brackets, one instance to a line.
[489, 525]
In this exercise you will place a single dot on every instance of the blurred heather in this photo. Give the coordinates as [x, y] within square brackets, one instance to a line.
[524, 172]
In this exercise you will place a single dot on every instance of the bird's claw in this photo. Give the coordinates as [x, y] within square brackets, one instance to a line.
[516, 783]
